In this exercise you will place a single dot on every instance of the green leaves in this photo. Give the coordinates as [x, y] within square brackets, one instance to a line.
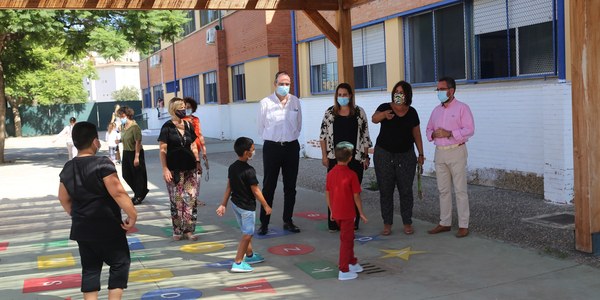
[126, 93]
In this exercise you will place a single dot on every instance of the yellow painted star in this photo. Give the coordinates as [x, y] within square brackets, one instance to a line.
[404, 253]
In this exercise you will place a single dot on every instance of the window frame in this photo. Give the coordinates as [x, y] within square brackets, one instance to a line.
[206, 89]
[235, 94]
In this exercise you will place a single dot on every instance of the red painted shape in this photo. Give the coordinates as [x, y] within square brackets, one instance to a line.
[291, 249]
[51, 283]
[3, 246]
[257, 286]
[132, 230]
[311, 215]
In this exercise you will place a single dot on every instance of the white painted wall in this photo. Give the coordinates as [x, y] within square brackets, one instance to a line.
[523, 126]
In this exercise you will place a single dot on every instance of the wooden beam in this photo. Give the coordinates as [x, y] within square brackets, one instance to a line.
[326, 28]
[585, 46]
[344, 51]
[348, 4]
[173, 4]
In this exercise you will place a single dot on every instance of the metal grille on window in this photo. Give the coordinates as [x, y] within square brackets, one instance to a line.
[514, 38]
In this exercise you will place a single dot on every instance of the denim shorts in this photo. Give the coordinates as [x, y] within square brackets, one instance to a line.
[245, 218]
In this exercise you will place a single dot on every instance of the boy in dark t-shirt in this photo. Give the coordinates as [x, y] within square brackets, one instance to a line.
[91, 193]
[342, 193]
[242, 186]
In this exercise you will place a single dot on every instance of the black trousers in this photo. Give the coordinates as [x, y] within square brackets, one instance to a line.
[136, 178]
[357, 167]
[94, 254]
[276, 156]
[395, 170]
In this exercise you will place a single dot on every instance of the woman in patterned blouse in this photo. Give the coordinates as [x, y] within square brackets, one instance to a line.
[345, 121]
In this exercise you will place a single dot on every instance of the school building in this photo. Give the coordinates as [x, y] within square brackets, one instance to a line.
[510, 58]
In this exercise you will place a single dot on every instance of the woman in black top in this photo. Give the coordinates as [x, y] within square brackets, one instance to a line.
[394, 157]
[345, 122]
[180, 165]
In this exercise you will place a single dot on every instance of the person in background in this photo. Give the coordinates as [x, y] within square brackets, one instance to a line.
[345, 121]
[190, 109]
[117, 123]
[180, 167]
[91, 193]
[394, 156]
[66, 132]
[242, 186]
[111, 138]
[279, 124]
[133, 161]
[450, 126]
[342, 194]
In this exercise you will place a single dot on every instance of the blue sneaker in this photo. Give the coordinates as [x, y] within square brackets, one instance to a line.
[254, 259]
[242, 267]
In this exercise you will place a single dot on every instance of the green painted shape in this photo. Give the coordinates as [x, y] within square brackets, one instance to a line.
[168, 230]
[139, 255]
[320, 269]
[232, 222]
[323, 226]
[57, 244]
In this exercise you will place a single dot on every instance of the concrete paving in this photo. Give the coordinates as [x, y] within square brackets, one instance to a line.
[420, 266]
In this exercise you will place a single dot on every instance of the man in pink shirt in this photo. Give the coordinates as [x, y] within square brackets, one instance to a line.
[450, 127]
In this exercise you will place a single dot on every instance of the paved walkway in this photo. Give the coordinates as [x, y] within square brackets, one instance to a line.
[37, 261]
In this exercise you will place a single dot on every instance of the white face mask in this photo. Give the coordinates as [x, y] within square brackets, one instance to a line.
[252, 156]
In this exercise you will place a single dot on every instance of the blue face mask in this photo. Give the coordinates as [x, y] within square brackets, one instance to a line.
[343, 101]
[442, 96]
[123, 121]
[188, 112]
[282, 90]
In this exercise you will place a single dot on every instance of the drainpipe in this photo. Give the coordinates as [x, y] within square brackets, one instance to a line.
[174, 69]
[294, 54]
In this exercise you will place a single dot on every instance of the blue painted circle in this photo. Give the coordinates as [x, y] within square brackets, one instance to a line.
[174, 293]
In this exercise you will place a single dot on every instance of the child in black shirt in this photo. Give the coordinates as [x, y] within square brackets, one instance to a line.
[91, 193]
[242, 186]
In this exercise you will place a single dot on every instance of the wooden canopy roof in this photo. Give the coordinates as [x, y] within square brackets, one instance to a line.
[183, 4]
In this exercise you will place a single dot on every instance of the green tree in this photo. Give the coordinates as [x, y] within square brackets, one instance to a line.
[126, 93]
[56, 79]
[110, 33]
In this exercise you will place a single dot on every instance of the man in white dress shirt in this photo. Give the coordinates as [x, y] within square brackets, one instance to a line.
[279, 125]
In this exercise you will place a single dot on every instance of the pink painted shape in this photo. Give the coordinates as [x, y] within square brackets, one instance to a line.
[51, 283]
[3, 246]
[257, 286]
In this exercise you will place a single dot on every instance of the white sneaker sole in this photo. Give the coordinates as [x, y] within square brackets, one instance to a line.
[241, 271]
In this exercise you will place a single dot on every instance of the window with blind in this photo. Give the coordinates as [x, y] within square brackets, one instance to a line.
[323, 66]
[514, 38]
[191, 87]
[190, 26]
[368, 52]
[208, 16]
[157, 91]
[210, 87]
[147, 96]
[238, 82]
[436, 45]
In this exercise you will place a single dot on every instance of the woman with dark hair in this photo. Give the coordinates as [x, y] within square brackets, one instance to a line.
[190, 109]
[394, 157]
[133, 161]
[345, 121]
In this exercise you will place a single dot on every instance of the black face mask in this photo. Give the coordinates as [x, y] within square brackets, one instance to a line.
[180, 113]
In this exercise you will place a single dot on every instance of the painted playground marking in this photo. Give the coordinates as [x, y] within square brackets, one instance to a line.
[291, 249]
[311, 215]
[172, 293]
[202, 247]
[33, 285]
[150, 275]
[56, 261]
[319, 269]
[257, 286]
[403, 253]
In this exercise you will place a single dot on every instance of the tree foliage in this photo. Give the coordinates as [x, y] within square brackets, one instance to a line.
[75, 32]
[126, 93]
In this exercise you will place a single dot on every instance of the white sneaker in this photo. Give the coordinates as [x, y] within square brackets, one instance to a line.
[347, 275]
[357, 268]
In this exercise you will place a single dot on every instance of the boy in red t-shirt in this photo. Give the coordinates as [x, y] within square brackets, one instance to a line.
[342, 192]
